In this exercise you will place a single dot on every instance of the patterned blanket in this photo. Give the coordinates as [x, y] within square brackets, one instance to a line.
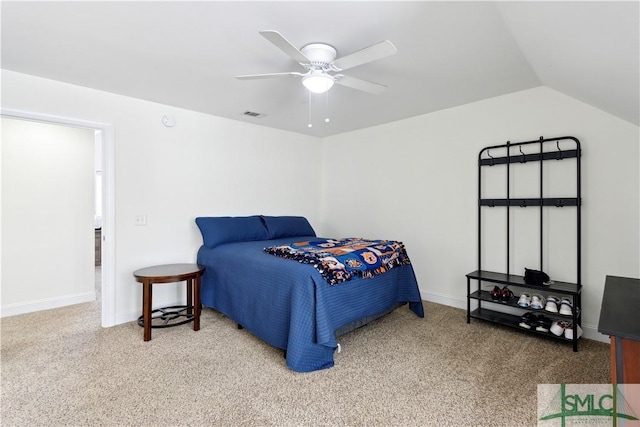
[338, 260]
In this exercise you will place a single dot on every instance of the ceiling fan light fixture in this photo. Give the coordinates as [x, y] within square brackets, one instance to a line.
[318, 82]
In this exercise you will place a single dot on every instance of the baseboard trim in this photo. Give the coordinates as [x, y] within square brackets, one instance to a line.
[127, 317]
[45, 304]
[589, 331]
[444, 300]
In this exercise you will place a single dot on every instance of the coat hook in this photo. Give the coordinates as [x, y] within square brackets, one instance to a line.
[521, 152]
[491, 157]
[559, 153]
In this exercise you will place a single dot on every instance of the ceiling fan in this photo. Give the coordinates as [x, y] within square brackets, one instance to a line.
[319, 59]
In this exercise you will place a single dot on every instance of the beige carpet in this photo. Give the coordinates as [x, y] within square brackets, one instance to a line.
[60, 367]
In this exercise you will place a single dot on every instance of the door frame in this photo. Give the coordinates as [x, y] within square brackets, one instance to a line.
[104, 131]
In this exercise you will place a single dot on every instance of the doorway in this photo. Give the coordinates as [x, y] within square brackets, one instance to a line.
[103, 137]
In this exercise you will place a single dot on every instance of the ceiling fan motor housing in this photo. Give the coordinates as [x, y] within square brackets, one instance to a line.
[320, 55]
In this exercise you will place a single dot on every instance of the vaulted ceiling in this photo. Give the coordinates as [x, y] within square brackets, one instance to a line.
[186, 54]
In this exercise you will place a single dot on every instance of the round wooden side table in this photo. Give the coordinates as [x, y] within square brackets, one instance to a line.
[170, 273]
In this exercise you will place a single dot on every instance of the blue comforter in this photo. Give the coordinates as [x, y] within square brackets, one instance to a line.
[290, 305]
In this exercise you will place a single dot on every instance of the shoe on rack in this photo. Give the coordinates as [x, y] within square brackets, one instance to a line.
[566, 307]
[525, 300]
[495, 293]
[537, 302]
[544, 324]
[552, 304]
[559, 327]
[568, 331]
[506, 294]
[528, 320]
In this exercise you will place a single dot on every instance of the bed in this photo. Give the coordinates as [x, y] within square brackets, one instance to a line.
[289, 304]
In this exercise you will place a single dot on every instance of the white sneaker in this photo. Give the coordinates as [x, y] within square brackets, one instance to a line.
[566, 307]
[537, 301]
[559, 327]
[568, 331]
[552, 304]
[525, 300]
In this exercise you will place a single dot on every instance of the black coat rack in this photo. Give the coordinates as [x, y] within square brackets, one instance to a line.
[547, 150]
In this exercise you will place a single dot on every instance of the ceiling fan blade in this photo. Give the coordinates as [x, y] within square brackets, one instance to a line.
[359, 84]
[285, 45]
[368, 54]
[267, 76]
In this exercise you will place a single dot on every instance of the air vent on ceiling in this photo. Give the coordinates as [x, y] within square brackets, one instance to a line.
[253, 114]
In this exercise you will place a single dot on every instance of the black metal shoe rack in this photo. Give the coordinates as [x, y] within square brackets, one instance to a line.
[544, 149]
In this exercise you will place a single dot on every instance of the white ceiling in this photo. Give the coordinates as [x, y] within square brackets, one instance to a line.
[186, 54]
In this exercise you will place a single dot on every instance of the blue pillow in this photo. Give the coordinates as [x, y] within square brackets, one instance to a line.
[218, 230]
[287, 226]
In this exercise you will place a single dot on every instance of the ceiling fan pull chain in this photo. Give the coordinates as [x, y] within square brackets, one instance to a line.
[326, 117]
[309, 125]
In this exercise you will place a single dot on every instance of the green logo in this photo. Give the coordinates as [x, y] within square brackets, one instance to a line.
[592, 404]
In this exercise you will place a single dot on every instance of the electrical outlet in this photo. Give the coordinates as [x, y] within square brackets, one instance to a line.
[140, 219]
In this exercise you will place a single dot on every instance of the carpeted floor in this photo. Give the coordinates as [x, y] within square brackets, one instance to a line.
[59, 367]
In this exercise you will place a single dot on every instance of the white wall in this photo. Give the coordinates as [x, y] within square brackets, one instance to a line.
[416, 180]
[47, 216]
[204, 165]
